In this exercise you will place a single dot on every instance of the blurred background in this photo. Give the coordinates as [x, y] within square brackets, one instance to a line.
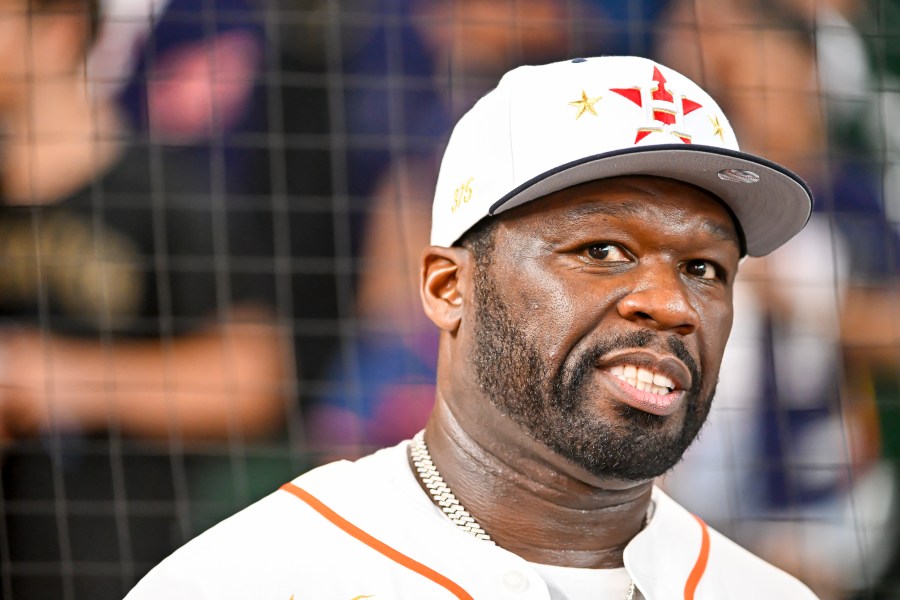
[210, 222]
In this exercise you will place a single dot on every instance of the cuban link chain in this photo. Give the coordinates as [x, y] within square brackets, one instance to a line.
[447, 501]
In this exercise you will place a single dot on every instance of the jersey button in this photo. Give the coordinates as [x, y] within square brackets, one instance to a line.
[515, 581]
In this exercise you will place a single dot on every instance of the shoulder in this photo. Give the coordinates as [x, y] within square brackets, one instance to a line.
[253, 547]
[264, 550]
[702, 561]
[732, 566]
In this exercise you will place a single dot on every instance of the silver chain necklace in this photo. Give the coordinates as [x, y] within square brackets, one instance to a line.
[447, 501]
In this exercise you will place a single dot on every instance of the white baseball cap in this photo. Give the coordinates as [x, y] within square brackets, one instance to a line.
[546, 128]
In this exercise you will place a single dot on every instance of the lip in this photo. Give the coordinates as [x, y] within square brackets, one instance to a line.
[670, 366]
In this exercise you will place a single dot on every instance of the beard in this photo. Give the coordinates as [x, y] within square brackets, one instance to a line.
[556, 409]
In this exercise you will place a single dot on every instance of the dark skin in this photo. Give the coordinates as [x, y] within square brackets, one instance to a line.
[614, 256]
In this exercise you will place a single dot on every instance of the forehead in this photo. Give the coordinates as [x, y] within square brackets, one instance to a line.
[648, 201]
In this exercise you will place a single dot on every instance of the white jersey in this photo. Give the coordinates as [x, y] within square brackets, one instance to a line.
[365, 529]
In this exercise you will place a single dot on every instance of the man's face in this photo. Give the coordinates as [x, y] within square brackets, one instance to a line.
[601, 316]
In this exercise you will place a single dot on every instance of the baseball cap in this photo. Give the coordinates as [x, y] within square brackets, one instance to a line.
[545, 128]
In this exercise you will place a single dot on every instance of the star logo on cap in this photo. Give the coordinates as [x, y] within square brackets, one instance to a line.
[660, 106]
[717, 127]
[585, 104]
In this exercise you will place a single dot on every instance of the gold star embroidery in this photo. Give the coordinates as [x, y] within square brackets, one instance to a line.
[585, 104]
[717, 127]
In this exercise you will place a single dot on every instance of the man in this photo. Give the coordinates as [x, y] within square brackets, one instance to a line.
[587, 227]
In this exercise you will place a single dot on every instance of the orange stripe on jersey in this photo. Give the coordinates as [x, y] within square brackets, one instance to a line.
[693, 579]
[375, 544]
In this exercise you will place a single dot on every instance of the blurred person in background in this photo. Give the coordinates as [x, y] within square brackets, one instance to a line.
[121, 321]
[276, 165]
[859, 47]
[792, 462]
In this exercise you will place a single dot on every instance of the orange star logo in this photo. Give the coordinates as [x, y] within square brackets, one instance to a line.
[585, 104]
[661, 107]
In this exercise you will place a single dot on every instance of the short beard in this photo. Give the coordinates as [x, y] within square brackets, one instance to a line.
[557, 411]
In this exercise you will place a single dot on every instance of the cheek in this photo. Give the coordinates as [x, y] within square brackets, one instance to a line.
[555, 312]
[716, 328]
[538, 302]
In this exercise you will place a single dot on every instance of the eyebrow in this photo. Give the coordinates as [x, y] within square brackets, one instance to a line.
[721, 232]
[600, 207]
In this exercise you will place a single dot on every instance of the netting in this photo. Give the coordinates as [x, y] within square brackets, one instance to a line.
[209, 240]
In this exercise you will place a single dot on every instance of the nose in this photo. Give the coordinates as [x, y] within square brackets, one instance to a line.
[660, 302]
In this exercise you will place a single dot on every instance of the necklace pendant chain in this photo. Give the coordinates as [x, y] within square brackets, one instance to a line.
[440, 492]
[447, 501]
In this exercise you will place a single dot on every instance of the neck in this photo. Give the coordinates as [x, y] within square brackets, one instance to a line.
[559, 517]
[56, 141]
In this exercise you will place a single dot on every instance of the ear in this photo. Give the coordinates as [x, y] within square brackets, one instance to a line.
[442, 285]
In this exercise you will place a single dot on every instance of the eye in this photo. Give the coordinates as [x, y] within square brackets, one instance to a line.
[607, 252]
[702, 269]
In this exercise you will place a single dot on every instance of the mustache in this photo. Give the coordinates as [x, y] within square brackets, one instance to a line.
[643, 338]
[681, 352]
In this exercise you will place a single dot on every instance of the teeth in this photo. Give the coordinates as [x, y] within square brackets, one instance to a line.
[643, 379]
[663, 381]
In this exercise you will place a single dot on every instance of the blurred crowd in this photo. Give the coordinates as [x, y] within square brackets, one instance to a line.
[211, 219]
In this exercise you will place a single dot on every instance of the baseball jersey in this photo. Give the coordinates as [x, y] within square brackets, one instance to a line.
[365, 529]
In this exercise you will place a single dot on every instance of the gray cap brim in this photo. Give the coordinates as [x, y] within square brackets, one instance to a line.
[770, 203]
